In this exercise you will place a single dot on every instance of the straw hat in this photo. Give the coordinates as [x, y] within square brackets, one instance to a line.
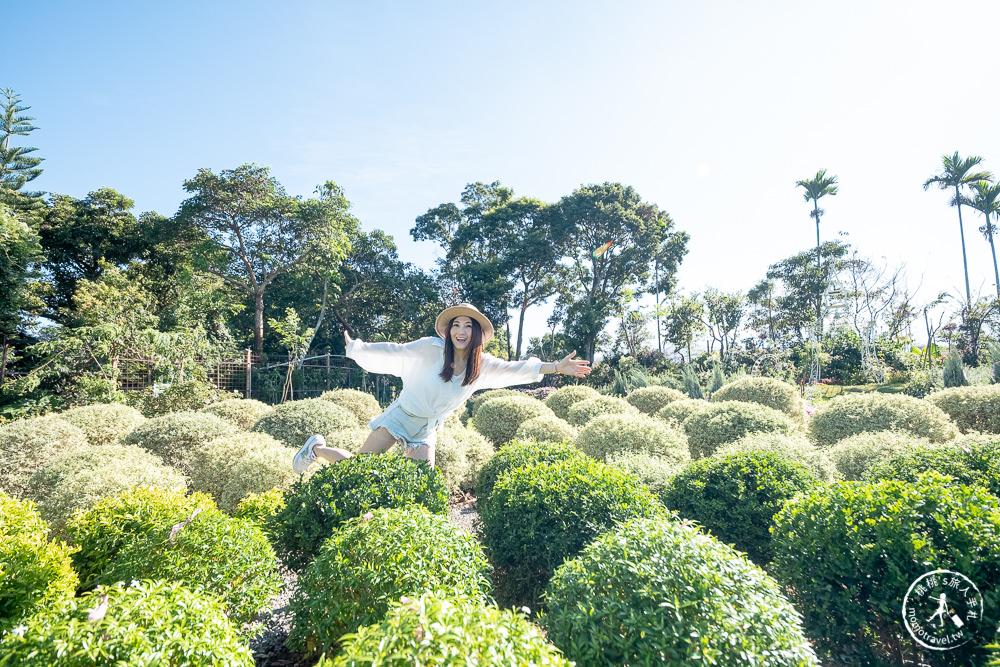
[467, 309]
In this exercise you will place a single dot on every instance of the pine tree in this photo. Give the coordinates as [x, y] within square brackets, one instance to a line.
[17, 167]
[954, 372]
[718, 378]
[691, 385]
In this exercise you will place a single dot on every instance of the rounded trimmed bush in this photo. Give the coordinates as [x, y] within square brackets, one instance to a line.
[211, 463]
[847, 553]
[518, 454]
[35, 574]
[851, 414]
[260, 507]
[971, 408]
[174, 437]
[583, 411]
[295, 421]
[361, 404]
[972, 464]
[28, 444]
[316, 506]
[794, 446]
[373, 560]
[104, 423]
[853, 456]
[547, 428]
[736, 497]
[499, 418]
[258, 471]
[728, 421]
[771, 392]
[476, 401]
[208, 551]
[680, 410]
[178, 397]
[650, 400]
[439, 630]
[655, 472]
[466, 451]
[657, 592]
[563, 398]
[612, 434]
[133, 631]
[240, 412]
[78, 479]
[539, 515]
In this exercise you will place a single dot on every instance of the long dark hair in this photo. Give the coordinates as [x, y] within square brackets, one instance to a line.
[473, 364]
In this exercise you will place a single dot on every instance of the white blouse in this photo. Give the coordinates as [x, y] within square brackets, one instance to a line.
[419, 364]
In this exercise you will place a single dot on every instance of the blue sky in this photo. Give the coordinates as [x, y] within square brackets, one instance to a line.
[712, 110]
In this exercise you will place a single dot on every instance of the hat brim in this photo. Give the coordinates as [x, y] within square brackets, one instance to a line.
[468, 310]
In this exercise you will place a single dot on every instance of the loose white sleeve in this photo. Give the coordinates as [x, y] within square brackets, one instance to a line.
[499, 373]
[392, 358]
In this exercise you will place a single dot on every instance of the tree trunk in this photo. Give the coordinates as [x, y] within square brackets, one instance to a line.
[993, 250]
[520, 331]
[258, 322]
[3, 363]
[816, 215]
[965, 261]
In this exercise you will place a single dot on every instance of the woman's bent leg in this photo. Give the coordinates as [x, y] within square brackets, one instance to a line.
[421, 453]
[378, 441]
[331, 454]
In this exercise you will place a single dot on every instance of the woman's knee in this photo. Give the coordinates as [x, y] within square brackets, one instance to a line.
[378, 441]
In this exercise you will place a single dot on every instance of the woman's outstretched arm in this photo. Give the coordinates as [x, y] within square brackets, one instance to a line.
[509, 373]
[388, 358]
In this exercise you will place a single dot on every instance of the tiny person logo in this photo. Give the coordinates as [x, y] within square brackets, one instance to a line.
[942, 609]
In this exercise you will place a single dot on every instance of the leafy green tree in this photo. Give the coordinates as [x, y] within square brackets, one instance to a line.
[17, 166]
[724, 315]
[640, 234]
[18, 302]
[957, 173]
[804, 284]
[986, 200]
[254, 231]
[763, 301]
[817, 188]
[685, 320]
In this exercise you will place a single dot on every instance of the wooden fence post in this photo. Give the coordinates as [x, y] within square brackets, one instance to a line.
[246, 393]
[328, 371]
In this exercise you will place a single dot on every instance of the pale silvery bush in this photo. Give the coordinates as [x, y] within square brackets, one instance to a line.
[613, 433]
[855, 413]
[792, 445]
[361, 404]
[241, 412]
[104, 423]
[562, 399]
[293, 422]
[854, 455]
[257, 471]
[767, 391]
[175, 436]
[650, 400]
[499, 418]
[213, 461]
[547, 428]
[971, 408]
[680, 410]
[728, 421]
[451, 455]
[583, 411]
[28, 444]
[652, 470]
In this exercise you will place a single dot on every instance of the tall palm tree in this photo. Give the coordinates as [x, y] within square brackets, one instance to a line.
[957, 173]
[986, 200]
[816, 188]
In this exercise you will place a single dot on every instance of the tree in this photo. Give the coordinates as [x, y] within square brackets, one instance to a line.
[640, 233]
[800, 305]
[685, 319]
[762, 297]
[255, 232]
[17, 166]
[20, 251]
[724, 315]
[986, 200]
[957, 173]
[817, 188]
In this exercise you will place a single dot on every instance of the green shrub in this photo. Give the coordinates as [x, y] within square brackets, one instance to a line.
[78, 479]
[971, 408]
[691, 385]
[954, 372]
[106, 423]
[655, 472]
[240, 412]
[211, 462]
[28, 444]
[451, 456]
[452, 630]
[260, 507]
[518, 454]
[316, 506]
[295, 421]
[361, 404]
[853, 456]
[657, 592]
[547, 428]
[373, 560]
[848, 552]
[972, 464]
[150, 623]
[563, 398]
[35, 574]
[736, 497]
[851, 414]
[539, 515]
[115, 522]
[794, 446]
[258, 471]
[476, 401]
[499, 418]
[212, 552]
[728, 421]
[179, 397]
[650, 400]
[611, 434]
[174, 437]
[583, 411]
[773, 393]
[476, 448]
[680, 410]
[350, 439]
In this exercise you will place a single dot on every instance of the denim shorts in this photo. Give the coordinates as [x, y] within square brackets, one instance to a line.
[409, 430]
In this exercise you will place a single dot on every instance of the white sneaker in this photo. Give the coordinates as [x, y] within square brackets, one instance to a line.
[305, 457]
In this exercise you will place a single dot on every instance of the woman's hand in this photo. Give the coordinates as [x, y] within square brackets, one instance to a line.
[347, 339]
[576, 367]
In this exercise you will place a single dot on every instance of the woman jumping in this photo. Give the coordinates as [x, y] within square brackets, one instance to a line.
[432, 389]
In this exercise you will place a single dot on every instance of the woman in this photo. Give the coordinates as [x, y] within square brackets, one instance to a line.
[439, 375]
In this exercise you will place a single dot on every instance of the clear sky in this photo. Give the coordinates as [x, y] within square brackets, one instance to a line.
[712, 110]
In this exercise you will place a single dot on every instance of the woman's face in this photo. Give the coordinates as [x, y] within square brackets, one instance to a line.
[461, 332]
